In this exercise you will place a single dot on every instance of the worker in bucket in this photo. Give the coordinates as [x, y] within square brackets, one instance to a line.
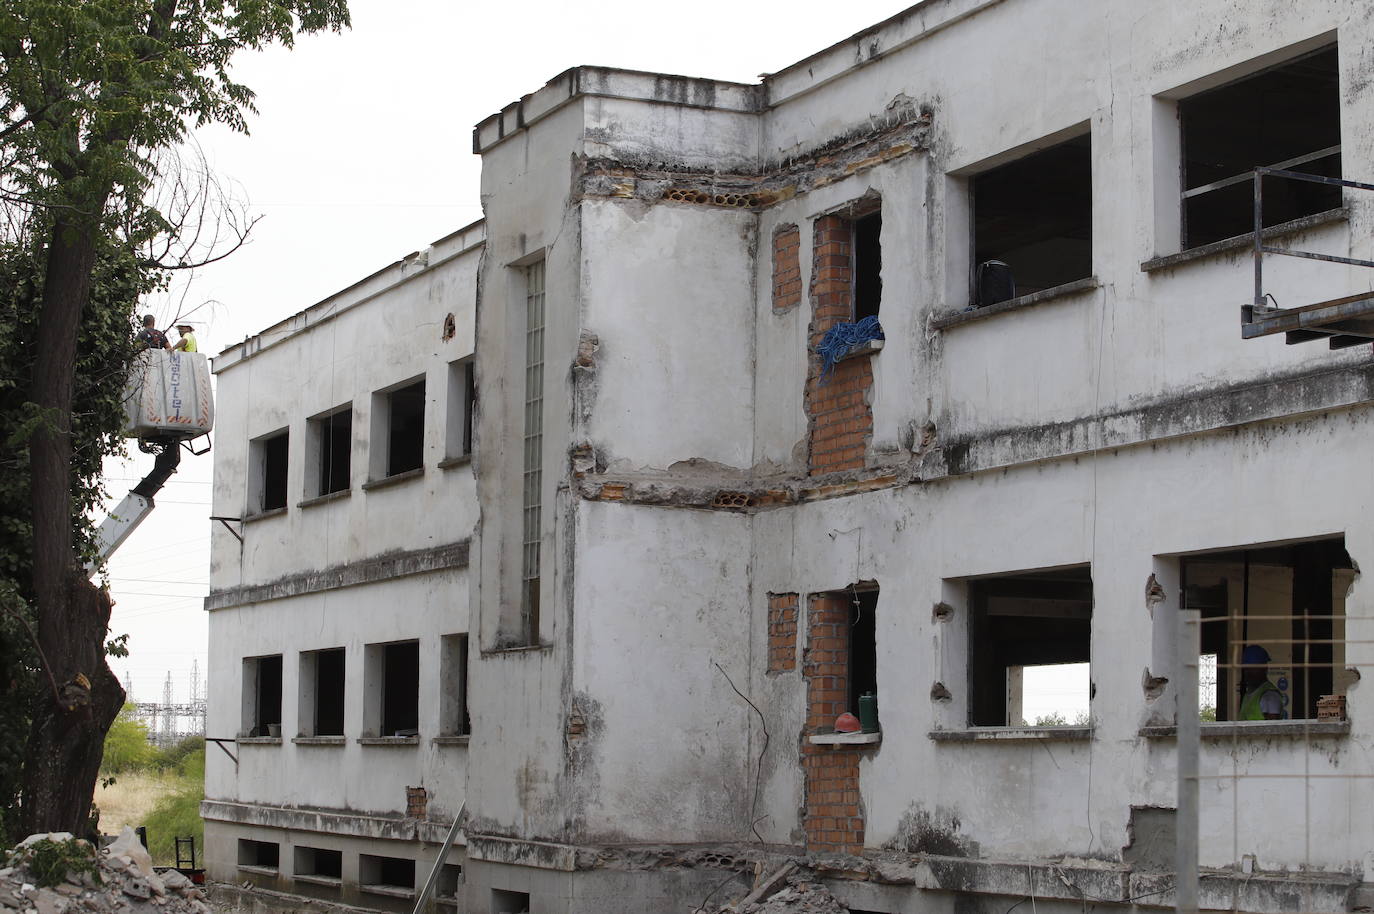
[187, 343]
[150, 337]
[1261, 698]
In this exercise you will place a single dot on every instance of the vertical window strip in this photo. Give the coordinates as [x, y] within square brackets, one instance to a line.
[533, 445]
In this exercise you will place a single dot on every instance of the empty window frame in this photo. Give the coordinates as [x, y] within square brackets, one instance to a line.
[391, 675]
[322, 684]
[330, 445]
[453, 686]
[318, 864]
[462, 397]
[450, 881]
[1287, 116]
[268, 458]
[862, 673]
[398, 430]
[262, 696]
[504, 901]
[867, 254]
[1286, 604]
[1035, 216]
[264, 855]
[386, 875]
[1029, 647]
[532, 474]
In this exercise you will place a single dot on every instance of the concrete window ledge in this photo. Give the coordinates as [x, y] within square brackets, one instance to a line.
[867, 347]
[397, 479]
[1254, 729]
[845, 739]
[1246, 242]
[388, 740]
[263, 515]
[391, 891]
[323, 499]
[447, 901]
[259, 740]
[1011, 734]
[955, 318]
[451, 740]
[320, 740]
[461, 460]
[259, 870]
[332, 881]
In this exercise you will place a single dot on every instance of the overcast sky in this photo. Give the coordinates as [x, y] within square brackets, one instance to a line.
[361, 154]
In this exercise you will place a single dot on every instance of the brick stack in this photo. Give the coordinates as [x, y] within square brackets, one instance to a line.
[787, 286]
[417, 802]
[840, 418]
[834, 819]
[782, 632]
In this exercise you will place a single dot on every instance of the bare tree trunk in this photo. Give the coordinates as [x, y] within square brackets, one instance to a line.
[67, 737]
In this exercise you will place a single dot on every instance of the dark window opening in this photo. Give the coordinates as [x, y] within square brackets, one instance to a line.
[329, 692]
[335, 441]
[450, 879]
[868, 265]
[263, 676]
[453, 698]
[385, 872]
[275, 452]
[1035, 215]
[406, 429]
[507, 902]
[1027, 624]
[401, 689]
[265, 854]
[1290, 112]
[462, 397]
[863, 648]
[317, 861]
[1273, 624]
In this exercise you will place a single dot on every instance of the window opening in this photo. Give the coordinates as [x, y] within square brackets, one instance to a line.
[1034, 627]
[868, 265]
[319, 862]
[1273, 618]
[1288, 117]
[1032, 222]
[532, 477]
[462, 397]
[401, 688]
[322, 692]
[453, 696]
[334, 439]
[376, 872]
[863, 648]
[264, 854]
[507, 902]
[450, 879]
[262, 696]
[406, 428]
[272, 453]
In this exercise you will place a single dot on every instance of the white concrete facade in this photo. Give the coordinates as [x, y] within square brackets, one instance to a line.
[1117, 424]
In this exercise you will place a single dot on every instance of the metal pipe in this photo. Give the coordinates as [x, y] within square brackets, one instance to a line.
[430, 882]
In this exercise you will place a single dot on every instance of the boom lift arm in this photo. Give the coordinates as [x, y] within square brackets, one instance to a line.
[138, 504]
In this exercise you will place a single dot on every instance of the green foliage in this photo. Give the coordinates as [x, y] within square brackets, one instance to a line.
[126, 745]
[178, 813]
[1057, 719]
[51, 862]
[175, 756]
[1207, 714]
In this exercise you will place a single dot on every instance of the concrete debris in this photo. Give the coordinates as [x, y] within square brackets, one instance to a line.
[57, 874]
[787, 890]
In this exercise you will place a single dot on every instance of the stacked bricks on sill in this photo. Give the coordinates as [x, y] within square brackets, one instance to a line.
[840, 418]
[834, 818]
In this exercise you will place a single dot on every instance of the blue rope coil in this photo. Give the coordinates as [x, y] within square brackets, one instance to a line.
[843, 338]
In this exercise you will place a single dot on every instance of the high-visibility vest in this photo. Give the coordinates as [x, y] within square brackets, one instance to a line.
[1250, 705]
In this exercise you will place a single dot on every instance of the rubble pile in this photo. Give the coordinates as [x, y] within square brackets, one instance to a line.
[787, 890]
[57, 874]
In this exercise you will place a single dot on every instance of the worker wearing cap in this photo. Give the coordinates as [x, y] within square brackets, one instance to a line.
[150, 337]
[1262, 700]
[187, 343]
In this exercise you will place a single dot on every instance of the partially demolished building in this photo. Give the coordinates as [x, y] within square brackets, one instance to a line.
[563, 527]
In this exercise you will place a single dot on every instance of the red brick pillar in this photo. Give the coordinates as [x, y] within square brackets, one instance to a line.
[782, 632]
[840, 420]
[787, 285]
[834, 819]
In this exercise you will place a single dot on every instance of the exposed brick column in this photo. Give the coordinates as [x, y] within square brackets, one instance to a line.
[840, 418]
[782, 632]
[787, 286]
[834, 819]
